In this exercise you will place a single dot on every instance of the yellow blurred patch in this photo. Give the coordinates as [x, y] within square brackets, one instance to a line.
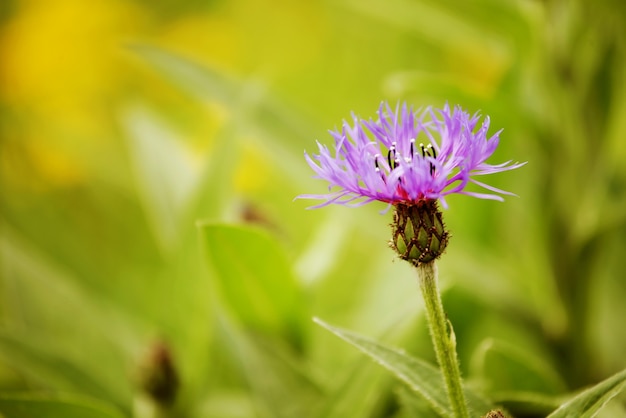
[253, 171]
[56, 52]
[35, 166]
[54, 165]
[281, 39]
[479, 68]
[60, 68]
[210, 39]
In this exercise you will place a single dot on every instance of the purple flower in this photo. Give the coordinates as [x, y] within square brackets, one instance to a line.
[407, 157]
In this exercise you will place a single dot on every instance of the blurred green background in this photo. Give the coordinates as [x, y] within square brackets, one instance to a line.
[150, 154]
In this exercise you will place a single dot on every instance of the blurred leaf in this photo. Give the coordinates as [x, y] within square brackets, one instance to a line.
[509, 368]
[588, 403]
[358, 385]
[226, 404]
[256, 290]
[254, 279]
[281, 387]
[196, 80]
[273, 372]
[414, 406]
[215, 189]
[274, 128]
[423, 378]
[429, 20]
[325, 243]
[36, 406]
[57, 334]
[357, 393]
[48, 369]
[254, 106]
[164, 173]
[429, 84]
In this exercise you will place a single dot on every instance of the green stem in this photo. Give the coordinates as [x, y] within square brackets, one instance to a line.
[443, 338]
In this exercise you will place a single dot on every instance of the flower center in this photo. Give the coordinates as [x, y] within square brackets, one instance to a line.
[393, 157]
[430, 151]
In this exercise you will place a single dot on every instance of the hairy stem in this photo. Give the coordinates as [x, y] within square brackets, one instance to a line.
[443, 338]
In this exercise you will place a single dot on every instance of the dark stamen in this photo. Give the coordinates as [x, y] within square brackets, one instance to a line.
[432, 166]
[382, 175]
[391, 158]
[429, 151]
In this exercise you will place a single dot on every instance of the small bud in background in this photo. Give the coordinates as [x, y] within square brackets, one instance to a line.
[157, 375]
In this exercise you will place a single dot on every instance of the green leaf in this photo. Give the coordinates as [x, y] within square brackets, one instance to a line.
[422, 377]
[254, 278]
[37, 406]
[588, 403]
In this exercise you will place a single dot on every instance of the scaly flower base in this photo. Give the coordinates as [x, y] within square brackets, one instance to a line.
[418, 232]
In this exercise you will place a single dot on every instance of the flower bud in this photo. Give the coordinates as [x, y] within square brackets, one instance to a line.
[418, 232]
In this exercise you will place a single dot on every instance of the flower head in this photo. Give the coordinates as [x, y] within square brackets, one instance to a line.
[407, 158]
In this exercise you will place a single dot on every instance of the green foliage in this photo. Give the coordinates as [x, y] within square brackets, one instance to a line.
[422, 377]
[588, 403]
[162, 213]
[510, 366]
[30, 406]
[255, 281]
